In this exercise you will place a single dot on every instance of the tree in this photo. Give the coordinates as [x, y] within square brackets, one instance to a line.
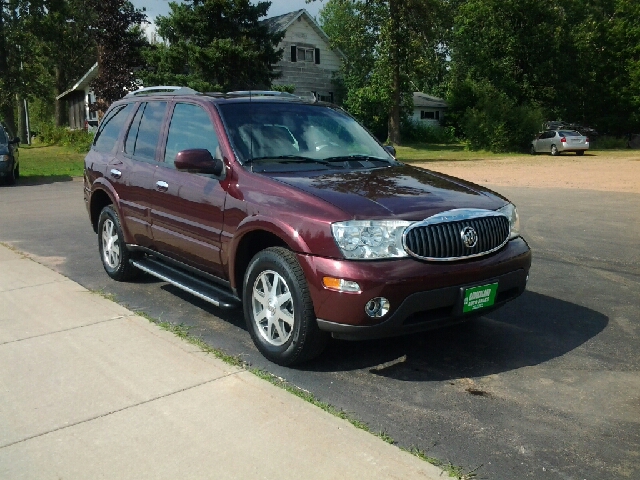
[70, 47]
[117, 31]
[22, 72]
[214, 45]
[388, 44]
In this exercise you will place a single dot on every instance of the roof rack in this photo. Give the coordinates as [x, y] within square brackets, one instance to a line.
[261, 93]
[166, 90]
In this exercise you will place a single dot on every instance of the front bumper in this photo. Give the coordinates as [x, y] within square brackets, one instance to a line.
[422, 295]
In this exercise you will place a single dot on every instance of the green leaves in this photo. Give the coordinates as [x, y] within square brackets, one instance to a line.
[213, 45]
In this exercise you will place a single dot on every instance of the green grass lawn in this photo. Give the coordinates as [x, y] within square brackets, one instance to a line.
[422, 152]
[50, 161]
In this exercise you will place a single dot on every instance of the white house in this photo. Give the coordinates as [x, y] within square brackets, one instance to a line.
[79, 99]
[427, 109]
[308, 62]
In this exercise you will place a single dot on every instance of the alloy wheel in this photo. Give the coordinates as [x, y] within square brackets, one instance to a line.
[110, 244]
[272, 306]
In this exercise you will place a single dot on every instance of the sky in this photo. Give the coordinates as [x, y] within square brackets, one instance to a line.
[278, 7]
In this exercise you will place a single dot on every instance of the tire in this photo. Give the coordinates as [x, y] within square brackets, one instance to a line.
[278, 309]
[532, 151]
[580, 152]
[11, 178]
[113, 252]
[554, 151]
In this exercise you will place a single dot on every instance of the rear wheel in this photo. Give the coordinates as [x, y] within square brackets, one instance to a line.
[278, 308]
[554, 151]
[11, 178]
[113, 252]
[580, 152]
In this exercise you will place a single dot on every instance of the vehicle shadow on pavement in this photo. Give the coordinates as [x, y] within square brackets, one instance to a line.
[529, 331]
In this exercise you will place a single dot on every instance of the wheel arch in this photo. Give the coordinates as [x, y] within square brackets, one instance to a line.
[100, 198]
[252, 242]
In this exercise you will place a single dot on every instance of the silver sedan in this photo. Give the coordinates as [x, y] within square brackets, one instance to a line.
[558, 141]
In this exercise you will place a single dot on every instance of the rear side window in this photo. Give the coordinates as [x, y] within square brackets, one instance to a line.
[190, 128]
[145, 130]
[569, 133]
[110, 127]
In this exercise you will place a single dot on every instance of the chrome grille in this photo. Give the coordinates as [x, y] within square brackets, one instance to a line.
[439, 238]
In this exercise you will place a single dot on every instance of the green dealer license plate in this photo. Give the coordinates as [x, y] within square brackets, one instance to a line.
[479, 297]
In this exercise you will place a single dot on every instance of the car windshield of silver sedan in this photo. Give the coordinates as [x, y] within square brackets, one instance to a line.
[300, 137]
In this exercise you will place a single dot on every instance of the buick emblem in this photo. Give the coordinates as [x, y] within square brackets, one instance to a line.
[469, 237]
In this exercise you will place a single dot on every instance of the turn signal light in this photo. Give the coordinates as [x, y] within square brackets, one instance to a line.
[341, 285]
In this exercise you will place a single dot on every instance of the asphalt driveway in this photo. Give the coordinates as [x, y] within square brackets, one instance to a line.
[547, 387]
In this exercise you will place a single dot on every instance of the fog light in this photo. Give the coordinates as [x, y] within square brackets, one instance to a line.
[377, 307]
[341, 285]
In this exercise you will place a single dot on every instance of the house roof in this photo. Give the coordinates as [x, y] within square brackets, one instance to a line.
[423, 100]
[282, 22]
[83, 83]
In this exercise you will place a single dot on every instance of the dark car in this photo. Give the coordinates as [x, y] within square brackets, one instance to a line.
[9, 156]
[293, 210]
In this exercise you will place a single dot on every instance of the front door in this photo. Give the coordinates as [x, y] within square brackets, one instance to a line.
[187, 213]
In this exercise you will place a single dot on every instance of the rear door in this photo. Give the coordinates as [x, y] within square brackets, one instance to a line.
[138, 158]
[109, 157]
[187, 213]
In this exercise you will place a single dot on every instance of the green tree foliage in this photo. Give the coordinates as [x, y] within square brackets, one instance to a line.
[22, 72]
[213, 45]
[573, 59]
[116, 28]
[70, 49]
[393, 47]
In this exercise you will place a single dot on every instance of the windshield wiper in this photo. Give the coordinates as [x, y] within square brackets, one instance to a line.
[292, 158]
[357, 157]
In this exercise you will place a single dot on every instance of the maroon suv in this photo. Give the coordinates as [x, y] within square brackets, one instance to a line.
[292, 209]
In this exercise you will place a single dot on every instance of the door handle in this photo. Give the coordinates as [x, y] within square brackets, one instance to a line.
[162, 186]
[115, 173]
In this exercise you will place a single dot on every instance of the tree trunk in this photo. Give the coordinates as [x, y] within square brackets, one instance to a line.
[394, 113]
[60, 87]
[22, 120]
[6, 109]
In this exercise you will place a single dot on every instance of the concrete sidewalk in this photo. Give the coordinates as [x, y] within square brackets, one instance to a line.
[90, 390]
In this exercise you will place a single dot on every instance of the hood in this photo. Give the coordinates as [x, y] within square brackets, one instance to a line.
[401, 191]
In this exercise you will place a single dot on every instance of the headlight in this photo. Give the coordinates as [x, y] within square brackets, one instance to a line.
[514, 220]
[370, 239]
[4, 158]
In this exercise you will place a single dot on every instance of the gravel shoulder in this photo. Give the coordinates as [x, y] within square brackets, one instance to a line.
[600, 171]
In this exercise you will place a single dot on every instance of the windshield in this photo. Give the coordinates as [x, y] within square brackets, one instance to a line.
[300, 134]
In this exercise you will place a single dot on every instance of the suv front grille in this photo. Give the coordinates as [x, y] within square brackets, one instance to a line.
[443, 240]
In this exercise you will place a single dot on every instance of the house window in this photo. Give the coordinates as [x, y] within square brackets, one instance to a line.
[425, 115]
[325, 98]
[304, 54]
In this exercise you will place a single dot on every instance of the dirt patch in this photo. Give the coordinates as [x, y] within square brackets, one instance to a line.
[597, 171]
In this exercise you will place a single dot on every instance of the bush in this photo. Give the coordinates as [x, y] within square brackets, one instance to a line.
[79, 140]
[495, 122]
[283, 88]
[412, 131]
[609, 143]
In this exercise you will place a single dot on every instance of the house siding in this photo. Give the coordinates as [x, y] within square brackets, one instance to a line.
[306, 76]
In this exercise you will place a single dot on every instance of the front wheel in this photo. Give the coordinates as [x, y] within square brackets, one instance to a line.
[278, 308]
[113, 252]
[532, 151]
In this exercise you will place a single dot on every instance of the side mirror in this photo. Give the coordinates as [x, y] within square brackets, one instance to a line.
[16, 140]
[391, 149]
[199, 160]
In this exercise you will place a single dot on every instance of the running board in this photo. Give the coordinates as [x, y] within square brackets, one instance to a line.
[201, 289]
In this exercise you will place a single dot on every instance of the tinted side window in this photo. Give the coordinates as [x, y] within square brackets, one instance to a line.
[190, 128]
[3, 137]
[145, 130]
[110, 127]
